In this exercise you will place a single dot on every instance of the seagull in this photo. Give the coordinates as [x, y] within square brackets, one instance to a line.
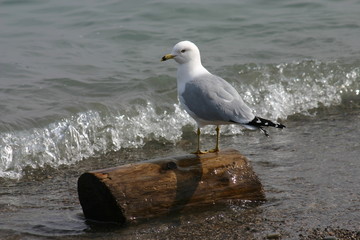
[209, 99]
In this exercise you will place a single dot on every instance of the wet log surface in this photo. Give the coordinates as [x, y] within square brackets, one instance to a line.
[162, 186]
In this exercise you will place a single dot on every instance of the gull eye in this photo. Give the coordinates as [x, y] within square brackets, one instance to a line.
[183, 51]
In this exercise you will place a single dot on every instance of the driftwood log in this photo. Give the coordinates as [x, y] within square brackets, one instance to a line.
[162, 186]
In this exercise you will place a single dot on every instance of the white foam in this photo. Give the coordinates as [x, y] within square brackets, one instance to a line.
[279, 91]
[276, 91]
[84, 135]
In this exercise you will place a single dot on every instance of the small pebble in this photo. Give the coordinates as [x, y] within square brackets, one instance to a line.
[273, 236]
[330, 238]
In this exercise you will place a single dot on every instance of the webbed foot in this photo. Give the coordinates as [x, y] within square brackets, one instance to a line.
[215, 150]
[197, 152]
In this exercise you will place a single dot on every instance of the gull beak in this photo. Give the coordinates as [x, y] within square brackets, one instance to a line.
[167, 57]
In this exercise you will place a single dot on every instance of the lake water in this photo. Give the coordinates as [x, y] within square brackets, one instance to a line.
[82, 87]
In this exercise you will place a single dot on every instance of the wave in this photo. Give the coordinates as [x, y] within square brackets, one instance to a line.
[275, 91]
[282, 90]
[85, 135]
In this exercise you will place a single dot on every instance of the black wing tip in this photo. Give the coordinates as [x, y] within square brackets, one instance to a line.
[259, 122]
[279, 125]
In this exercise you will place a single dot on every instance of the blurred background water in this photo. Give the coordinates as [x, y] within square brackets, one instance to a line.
[81, 80]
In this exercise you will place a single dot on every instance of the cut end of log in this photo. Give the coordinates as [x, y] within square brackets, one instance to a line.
[97, 201]
[162, 186]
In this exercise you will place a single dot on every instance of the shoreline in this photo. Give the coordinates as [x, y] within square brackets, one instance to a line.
[309, 172]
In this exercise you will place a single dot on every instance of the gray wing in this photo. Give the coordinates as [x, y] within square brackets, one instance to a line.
[211, 98]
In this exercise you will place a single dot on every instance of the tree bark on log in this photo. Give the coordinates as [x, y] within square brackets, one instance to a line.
[162, 186]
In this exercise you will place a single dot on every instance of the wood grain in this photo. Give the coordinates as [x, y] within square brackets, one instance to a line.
[161, 186]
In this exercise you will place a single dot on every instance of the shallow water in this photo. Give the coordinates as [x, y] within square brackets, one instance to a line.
[82, 87]
[310, 180]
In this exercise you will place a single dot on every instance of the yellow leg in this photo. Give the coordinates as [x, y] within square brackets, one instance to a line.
[216, 149]
[198, 151]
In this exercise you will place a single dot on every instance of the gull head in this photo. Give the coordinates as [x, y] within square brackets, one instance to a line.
[184, 52]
